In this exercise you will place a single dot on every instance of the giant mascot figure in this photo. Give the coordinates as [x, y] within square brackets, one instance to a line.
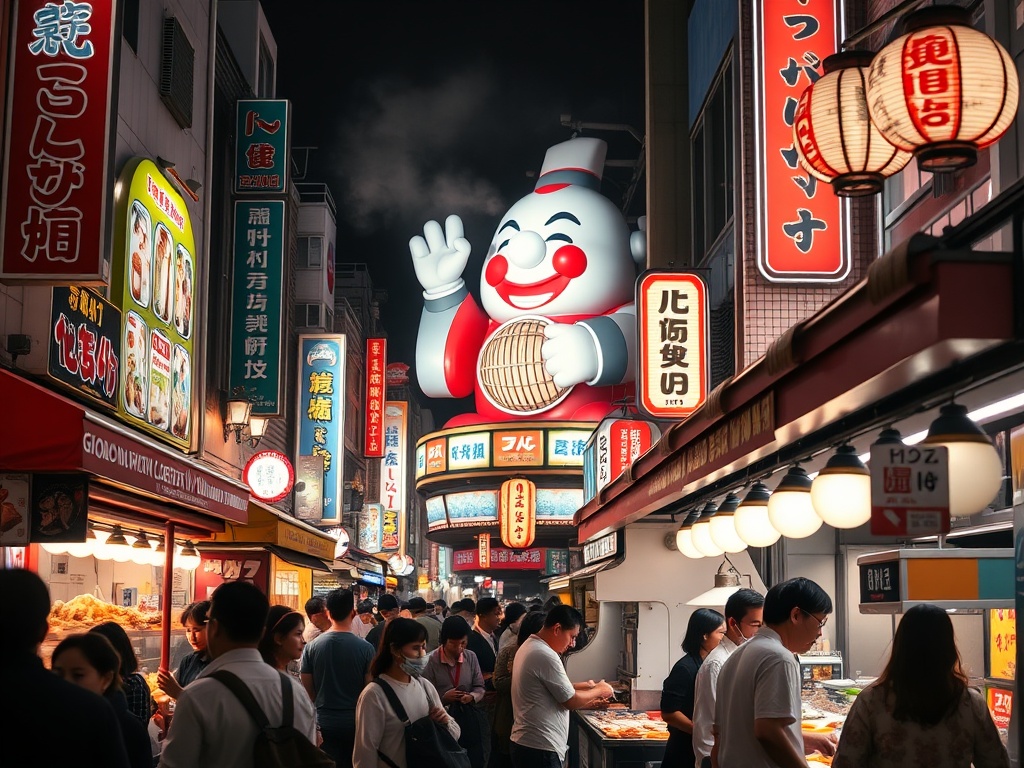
[556, 338]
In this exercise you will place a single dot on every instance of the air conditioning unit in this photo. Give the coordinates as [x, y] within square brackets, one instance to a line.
[177, 66]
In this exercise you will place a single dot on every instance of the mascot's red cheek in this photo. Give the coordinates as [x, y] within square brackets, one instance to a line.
[496, 270]
[569, 261]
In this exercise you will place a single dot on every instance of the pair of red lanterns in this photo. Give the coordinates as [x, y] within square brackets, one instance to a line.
[865, 118]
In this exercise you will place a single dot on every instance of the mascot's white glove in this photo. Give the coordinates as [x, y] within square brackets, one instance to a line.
[570, 354]
[440, 257]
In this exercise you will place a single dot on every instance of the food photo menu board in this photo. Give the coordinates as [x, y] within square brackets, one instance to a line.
[154, 279]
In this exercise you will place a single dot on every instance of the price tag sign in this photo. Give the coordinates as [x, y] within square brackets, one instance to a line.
[880, 582]
[909, 490]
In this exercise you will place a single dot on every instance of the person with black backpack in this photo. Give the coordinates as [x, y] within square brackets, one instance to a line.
[234, 715]
[400, 721]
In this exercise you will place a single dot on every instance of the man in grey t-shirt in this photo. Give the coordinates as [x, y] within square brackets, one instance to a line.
[542, 693]
[757, 711]
[335, 668]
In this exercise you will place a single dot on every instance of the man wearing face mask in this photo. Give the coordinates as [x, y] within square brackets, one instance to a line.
[742, 620]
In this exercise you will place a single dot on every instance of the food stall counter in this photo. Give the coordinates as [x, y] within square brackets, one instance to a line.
[618, 737]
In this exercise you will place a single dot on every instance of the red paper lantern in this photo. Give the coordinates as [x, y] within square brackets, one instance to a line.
[943, 90]
[518, 513]
[834, 137]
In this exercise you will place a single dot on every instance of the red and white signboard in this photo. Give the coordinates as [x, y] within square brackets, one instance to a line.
[909, 490]
[269, 475]
[672, 320]
[619, 443]
[801, 234]
[58, 156]
[1000, 704]
[397, 374]
[376, 390]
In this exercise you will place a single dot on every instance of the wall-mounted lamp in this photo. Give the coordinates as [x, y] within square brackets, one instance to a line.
[190, 187]
[257, 429]
[237, 409]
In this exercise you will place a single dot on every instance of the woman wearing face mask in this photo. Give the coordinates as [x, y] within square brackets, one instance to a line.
[398, 664]
[509, 627]
[89, 661]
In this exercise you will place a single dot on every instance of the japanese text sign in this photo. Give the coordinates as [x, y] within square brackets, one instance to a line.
[500, 558]
[909, 490]
[392, 475]
[566, 446]
[376, 390]
[57, 162]
[484, 550]
[800, 232]
[1002, 643]
[154, 279]
[85, 344]
[321, 412]
[269, 475]
[257, 299]
[217, 567]
[517, 507]
[261, 146]
[1000, 705]
[519, 448]
[672, 357]
[615, 445]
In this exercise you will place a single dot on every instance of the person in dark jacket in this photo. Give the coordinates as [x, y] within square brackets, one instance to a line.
[89, 661]
[41, 716]
[704, 632]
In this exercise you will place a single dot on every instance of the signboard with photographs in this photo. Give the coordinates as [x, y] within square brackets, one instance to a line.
[154, 279]
[672, 357]
[85, 344]
[257, 304]
[59, 508]
[57, 162]
[261, 146]
[321, 409]
[15, 497]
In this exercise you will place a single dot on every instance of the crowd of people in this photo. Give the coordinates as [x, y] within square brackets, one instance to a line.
[492, 679]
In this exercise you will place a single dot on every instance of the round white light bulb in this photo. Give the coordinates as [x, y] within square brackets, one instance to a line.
[56, 548]
[99, 547]
[83, 549]
[975, 476]
[702, 539]
[751, 518]
[792, 514]
[724, 535]
[842, 500]
[684, 543]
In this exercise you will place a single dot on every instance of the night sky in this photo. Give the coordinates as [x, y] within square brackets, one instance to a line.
[420, 109]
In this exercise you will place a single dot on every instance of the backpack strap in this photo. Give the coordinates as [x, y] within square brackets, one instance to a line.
[244, 695]
[287, 701]
[396, 705]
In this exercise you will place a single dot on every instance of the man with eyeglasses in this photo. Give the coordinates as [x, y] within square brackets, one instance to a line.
[757, 712]
[743, 611]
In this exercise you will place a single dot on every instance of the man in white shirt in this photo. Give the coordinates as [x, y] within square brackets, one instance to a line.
[211, 728]
[319, 621]
[542, 694]
[743, 612]
[757, 712]
[363, 622]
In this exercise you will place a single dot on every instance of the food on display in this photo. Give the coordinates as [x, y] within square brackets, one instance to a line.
[818, 759]
[141, 254]
[629, 724]
[136, 370]
[83, 612]
[181, 389]
[183, 292]
[9, 514]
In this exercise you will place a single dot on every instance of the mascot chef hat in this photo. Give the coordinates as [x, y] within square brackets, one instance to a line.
[576, 161]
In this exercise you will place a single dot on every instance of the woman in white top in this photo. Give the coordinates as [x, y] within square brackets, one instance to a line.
[399, 662]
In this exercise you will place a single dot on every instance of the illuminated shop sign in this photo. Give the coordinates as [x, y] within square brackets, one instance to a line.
[85, 344]
[392, 476]
[369, 532]
[800, 227]
[261, 146]
[518, 510]
[672, 320]
[467, 509]
[614, 446]
[257, 304]
[502, 448]
[154, 278]
[500, 558]
[321, 413]
[376, 390]
[57, 162]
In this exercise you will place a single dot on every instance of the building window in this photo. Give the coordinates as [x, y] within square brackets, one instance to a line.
[265, 86]
[712, 143]
[311, 252]
[308, 315]
[130, 25]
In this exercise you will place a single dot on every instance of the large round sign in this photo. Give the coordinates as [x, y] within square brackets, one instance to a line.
[396, 563]
[341, 546]
[269, 475]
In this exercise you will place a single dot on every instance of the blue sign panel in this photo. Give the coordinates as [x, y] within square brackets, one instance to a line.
[321, 414]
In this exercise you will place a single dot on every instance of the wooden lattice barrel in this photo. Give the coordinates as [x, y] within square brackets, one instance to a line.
[511, 368]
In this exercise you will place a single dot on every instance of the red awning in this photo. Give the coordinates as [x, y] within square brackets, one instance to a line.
[45, 432]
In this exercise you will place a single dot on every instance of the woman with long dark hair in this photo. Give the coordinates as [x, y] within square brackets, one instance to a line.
[134, 685]
[89, 661]
[398, 664]
[282, 642]
[920, 711]
[704, 632]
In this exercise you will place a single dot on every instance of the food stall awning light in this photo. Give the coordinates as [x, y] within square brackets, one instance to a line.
[86, 548]
[975, 467]
[701, 532]
[841, 491]
[117, 547]
[188, 558]
[727, 583]
[723, 525]
[789, 508]
[751, 518]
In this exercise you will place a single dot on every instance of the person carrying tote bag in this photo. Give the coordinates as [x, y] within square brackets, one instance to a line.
[400, 721]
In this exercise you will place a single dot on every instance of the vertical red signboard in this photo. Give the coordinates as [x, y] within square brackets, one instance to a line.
[800, 226]
[376, 389]
[57, 165]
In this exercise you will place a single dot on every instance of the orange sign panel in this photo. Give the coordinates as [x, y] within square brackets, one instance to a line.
[519, 448]
[518, 513]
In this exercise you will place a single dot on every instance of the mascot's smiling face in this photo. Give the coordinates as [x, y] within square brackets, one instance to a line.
[561, 250]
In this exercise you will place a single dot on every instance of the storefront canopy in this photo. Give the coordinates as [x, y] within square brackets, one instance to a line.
[919, 314]
[45, 432]
[277, 532]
